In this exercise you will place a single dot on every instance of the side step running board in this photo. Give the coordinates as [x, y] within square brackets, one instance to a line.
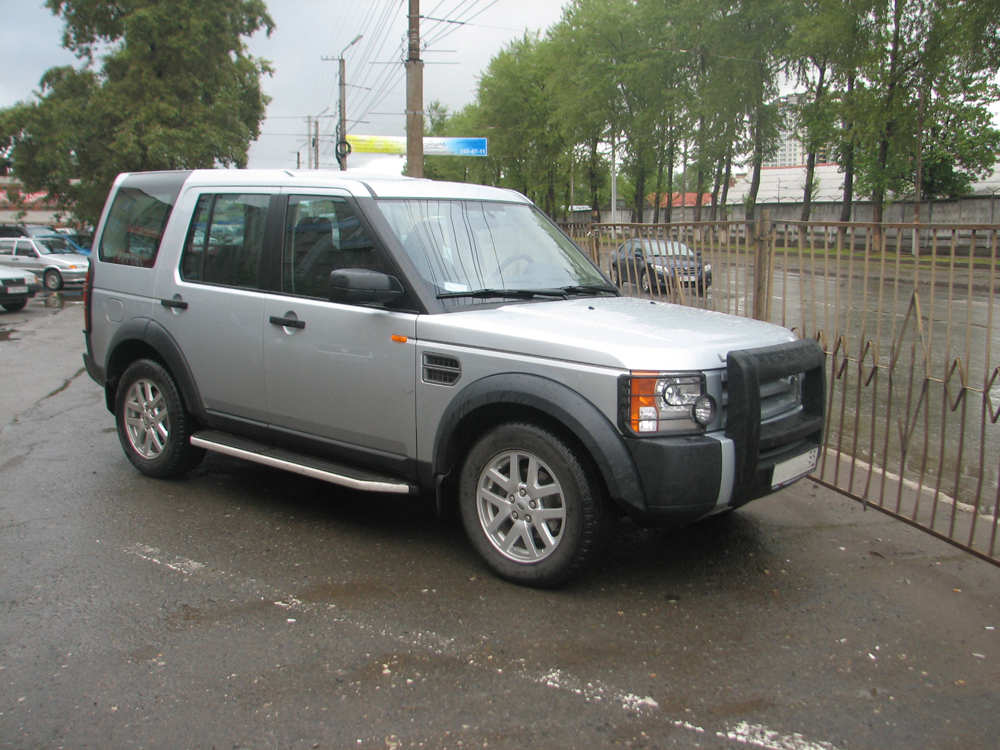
[317, 468]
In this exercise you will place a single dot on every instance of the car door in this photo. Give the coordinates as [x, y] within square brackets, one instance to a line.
[339, 373]
[26, 256]
[211, 302]
[7, 252]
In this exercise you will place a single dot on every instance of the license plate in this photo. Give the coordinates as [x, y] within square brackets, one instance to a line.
[794, 468]
[17, 290]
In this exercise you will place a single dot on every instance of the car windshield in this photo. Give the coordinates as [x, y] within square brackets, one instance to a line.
[53, 244]
[482, 250]
[667, 249]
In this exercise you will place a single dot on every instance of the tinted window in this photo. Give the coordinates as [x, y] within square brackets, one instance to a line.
[225, 242]
[134, 228]
[322, 234]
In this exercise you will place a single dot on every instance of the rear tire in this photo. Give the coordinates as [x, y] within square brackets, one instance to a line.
[530, 506]
[153, 427]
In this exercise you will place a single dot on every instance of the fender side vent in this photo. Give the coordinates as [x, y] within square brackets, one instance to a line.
[441, 370]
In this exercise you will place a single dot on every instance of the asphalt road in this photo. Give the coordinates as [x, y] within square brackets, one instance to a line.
[246, 608]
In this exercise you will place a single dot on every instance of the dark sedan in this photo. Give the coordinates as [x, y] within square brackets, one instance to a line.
[660, 266]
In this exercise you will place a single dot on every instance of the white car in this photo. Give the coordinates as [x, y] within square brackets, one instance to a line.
[16, 288]
[57, 268]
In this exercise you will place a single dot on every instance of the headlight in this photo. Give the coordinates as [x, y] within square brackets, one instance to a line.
[30, 278]
[666, 403]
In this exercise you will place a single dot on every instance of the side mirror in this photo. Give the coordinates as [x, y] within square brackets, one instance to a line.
[361, 286]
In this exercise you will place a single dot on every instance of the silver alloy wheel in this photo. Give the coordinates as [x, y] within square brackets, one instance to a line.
[53, 281]
[147, 419]
[521, 506]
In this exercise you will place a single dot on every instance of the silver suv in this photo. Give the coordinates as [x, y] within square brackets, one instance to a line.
[409, 336]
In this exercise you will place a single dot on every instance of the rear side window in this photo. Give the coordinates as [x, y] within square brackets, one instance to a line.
[138, 216]
[225, 242]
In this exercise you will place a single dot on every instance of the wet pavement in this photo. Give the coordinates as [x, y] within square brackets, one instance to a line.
[244, 607]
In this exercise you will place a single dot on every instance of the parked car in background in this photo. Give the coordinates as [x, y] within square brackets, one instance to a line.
[63, 243]
[659, 265]
[57, 268]
[17, 286]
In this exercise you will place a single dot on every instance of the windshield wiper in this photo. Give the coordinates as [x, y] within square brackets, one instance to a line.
[590, 289]
[504, 293]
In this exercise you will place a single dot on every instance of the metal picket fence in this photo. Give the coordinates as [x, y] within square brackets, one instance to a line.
[909, 318]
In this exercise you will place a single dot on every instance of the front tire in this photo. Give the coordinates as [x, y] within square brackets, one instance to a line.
[644, 284]
[153, 427]
[53, 280]
[15, 306]
[530, 506]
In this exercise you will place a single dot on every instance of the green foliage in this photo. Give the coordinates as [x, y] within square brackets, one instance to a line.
[898, 90]
[175, 89]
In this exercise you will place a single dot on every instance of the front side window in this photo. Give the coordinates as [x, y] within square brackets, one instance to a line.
[225, 241]
[323, 234]
[6, 247]
[466, 246]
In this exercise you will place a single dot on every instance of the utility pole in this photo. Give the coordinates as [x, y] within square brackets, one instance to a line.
[309, 132]
[315, 143]
[414, 97]
[340, 145]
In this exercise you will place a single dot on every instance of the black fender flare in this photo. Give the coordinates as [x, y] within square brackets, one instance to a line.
[599, 437]
[150, 334]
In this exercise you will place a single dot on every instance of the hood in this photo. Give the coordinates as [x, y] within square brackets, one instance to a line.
[619, 332]
[16, 274]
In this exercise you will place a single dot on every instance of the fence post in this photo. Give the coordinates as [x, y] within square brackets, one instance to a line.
[762, 266]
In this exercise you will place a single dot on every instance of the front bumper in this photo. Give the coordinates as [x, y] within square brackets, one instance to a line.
[686, 478]
[72, 277]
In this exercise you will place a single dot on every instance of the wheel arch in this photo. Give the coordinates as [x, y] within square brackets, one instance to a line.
[144, 338]
[513, 397]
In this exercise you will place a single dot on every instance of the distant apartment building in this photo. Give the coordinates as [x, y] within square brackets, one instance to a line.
[791, 150]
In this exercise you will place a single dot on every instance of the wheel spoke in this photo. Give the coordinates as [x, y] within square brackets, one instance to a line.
[499, 479]
[546, 536]
[502, 516]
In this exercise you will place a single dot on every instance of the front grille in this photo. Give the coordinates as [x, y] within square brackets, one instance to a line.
[780, 397]
[441, 370]
[774, 398]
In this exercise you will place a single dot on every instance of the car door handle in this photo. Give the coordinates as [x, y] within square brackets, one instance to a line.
[287, 322]
[176, 304]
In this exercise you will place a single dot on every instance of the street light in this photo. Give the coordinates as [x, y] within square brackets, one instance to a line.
[342, 150]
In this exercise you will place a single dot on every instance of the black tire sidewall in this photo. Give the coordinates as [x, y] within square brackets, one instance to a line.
[584, 518]
[178, 455]
[14, 306]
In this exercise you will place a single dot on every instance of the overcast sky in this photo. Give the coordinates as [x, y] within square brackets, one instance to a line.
[303, 83]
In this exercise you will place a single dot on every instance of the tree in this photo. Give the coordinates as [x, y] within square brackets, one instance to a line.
[175, 89]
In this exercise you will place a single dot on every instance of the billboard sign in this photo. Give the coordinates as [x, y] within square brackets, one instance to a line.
[433, 146]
